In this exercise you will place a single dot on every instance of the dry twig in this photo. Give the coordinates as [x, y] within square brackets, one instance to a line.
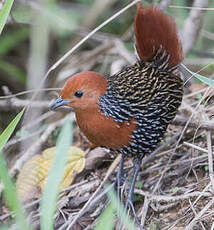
[200, 214]
[82, 211]
[210, 159]
[169, 198]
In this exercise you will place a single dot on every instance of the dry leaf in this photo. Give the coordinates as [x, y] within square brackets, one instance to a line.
[33, 176]
[96, 157]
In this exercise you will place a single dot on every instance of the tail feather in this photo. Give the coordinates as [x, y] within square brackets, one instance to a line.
[154, 29]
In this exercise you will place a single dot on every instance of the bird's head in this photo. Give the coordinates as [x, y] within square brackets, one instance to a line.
[82, 91]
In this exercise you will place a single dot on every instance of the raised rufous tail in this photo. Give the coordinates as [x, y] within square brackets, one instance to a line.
[154, 29]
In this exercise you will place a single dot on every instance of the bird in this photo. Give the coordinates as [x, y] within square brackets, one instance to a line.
[129, 112]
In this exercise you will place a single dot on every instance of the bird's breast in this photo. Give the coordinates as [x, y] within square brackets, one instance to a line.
[103, 131]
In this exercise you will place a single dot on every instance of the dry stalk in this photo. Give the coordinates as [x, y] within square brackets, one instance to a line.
[81, 212]
[168, 198]
[195, 147]
[191, 117]
[144, 211]
[195, 213]
[199, 215]
[210, 159]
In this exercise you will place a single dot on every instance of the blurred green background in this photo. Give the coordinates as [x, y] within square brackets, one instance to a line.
[39, 32]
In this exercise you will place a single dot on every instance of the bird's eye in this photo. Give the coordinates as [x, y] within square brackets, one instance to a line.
[78, 93]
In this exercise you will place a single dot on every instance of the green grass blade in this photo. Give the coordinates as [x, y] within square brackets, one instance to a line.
[51, 191]
[9, 130]
[203, 79]
[106, 220]
[122, 215]
[9, 188]
[4, 12]
[10, 195]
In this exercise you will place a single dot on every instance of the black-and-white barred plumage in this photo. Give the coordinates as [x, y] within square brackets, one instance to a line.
[150, 92]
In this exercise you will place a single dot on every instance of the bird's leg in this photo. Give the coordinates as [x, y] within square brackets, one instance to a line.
[129, 202]
[119, 175]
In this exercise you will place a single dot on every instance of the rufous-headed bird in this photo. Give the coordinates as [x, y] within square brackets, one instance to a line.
[129, 112]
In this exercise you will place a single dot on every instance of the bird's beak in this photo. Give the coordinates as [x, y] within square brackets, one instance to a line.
[59, 102]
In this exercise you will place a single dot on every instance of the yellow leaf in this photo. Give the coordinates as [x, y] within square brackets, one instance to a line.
[28, 180]
[33, 176]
